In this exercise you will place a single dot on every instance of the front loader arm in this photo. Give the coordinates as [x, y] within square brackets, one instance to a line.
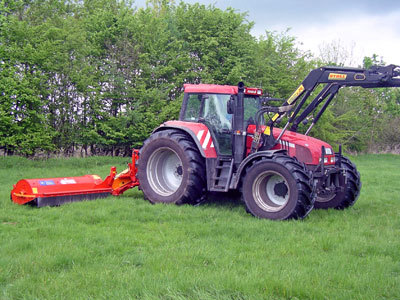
[334, 78]
[376, 76]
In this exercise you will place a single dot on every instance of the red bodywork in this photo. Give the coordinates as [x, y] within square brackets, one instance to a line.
[210, 88]
[200, 134]
[219, 89]
[305, 148]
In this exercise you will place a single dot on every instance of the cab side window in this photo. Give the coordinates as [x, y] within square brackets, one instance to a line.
[193, 108]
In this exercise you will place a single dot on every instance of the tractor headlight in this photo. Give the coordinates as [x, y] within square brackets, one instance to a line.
[325, 160]
[328, 160]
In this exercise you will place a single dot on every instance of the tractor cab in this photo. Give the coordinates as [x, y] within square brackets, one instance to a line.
[209, 104]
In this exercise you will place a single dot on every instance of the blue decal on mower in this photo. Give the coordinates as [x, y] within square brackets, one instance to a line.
[46, 182]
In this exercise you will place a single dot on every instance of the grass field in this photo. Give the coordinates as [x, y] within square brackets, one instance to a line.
[125, 248]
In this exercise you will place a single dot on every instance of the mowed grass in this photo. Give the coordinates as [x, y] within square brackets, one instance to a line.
[125, 248]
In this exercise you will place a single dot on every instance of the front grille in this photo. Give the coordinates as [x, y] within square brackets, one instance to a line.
[303, 154]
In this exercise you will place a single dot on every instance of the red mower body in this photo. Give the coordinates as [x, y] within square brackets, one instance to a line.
[56, 191]
[27, 190]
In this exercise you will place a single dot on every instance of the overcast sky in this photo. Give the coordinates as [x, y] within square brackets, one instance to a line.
[364, 26]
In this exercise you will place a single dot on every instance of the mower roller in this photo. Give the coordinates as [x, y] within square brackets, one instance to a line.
[226, 141]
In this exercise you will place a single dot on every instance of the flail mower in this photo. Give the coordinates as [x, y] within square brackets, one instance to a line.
[56, 191]
[225, 140]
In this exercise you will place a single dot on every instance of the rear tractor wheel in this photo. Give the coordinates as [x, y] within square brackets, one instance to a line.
[171, 169]
[278, 188]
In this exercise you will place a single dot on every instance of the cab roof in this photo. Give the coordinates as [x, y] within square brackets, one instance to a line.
[210, 88]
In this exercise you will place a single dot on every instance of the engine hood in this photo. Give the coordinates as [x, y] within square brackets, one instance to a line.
[305, 148]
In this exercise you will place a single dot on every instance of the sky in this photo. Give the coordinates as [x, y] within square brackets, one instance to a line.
[359, 27]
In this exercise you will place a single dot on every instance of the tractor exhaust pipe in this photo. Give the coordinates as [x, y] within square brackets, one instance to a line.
[239, 132]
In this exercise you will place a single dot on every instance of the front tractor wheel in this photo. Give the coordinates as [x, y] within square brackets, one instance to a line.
[171, 169]
[278, 188]
[349, 191]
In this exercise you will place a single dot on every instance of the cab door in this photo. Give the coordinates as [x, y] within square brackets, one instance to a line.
[211, 109]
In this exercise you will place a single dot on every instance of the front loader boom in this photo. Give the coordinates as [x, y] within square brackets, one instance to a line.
[333, 78]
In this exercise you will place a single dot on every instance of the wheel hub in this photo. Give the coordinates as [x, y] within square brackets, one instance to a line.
[280, 189]
[164, 171]
[270, 191]
[179, 171]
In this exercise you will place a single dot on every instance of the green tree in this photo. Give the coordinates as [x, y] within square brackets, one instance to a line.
[279, 65]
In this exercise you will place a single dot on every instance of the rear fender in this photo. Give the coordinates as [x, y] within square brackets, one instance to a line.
[197, 131]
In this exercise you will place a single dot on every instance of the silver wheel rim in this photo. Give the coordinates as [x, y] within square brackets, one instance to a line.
[164, 171]
[271, 191]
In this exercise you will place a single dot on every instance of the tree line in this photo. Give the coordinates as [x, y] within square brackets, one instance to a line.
[97, 76]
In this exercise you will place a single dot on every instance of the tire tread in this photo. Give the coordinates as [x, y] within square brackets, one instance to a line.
[195, 189]
[304, 183]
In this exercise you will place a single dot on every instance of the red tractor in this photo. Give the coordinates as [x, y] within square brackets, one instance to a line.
[225, 140]
[222, 143]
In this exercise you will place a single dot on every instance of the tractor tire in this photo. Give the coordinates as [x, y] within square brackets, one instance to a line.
[278, 188]
[349, 195]
[171, 169]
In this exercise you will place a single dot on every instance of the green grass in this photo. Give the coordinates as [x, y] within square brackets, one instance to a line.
[124, 247]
